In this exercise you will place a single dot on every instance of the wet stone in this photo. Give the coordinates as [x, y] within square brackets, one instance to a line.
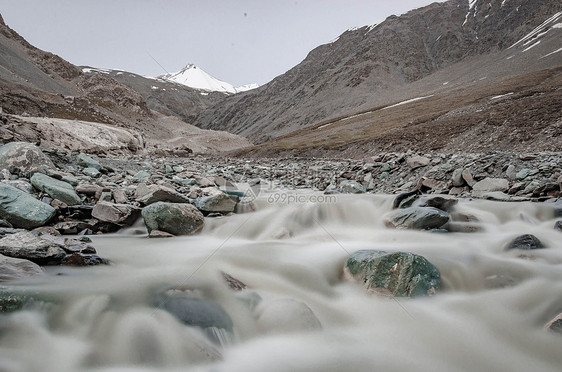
[400, 274]
[526, 241]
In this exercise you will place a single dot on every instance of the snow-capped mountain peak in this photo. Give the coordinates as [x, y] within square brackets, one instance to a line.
[194, 77]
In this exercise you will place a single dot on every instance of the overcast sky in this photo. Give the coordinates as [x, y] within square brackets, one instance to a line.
[238, 41]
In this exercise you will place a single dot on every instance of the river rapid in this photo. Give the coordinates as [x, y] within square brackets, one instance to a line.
[298, 312]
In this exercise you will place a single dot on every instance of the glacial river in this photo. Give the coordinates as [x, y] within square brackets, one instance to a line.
[298, 313]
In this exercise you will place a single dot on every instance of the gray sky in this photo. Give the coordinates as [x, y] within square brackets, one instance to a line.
[238, 41]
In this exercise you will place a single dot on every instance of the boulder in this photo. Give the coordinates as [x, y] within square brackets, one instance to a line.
[162, 194]
[23, 210]
[16, 268]
[27, 246]
[417, 161]
[467, 177]
[526, 241]
[399, 274]
[489, 184]
[220, 203]
[197, 312]
[173, 218]
[56, 189]
[558, 225]
[352, 187]
[119, 214]
[87, 161]
[25, 156]
[420, 218]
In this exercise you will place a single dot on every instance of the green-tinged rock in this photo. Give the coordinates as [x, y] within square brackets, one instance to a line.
[352, 187]
[23, 210]
[56, 189]
[420, 218]
[87, 161]
[522, 174]
[91, 172]
[399, 274]
[11, 301]
[25, 156]
[141, 176]
[173, 218]
[220, 203]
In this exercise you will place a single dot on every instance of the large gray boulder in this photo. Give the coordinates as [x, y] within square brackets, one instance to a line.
[118, 214]
[25, 156]
[56, 189]
[489, 184]
[27, 246]
[399, 274]
[23, 210]
[16, 268]
[173, 218]
[420, 218]
[159, 193]
[220, 203]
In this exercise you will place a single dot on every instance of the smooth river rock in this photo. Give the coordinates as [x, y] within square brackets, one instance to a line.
[420, 218]
[16, 268]
[400, 274]
[56, 189]
[173, 218]
[220, 203]
[27, 246]
[526, 241]
[23, 210]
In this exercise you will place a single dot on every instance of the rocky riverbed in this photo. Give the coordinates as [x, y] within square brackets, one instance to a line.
[52, 193]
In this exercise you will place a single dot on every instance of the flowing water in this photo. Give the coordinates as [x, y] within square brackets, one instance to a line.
[298, 313]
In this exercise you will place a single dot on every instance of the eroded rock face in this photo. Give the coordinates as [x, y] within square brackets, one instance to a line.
[173, 218]
[23, 210]
[400, 274]
[25, 156]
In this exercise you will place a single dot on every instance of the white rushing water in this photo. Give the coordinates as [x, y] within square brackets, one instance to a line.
[488, 315]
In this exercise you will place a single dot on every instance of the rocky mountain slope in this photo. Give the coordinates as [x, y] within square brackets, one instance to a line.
[35, 85]
[402, 58]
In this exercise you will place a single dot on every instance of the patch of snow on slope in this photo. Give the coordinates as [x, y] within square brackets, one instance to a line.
[551, 53]
[407, 101]
[540, 30]
[502, 95]
[534, 45]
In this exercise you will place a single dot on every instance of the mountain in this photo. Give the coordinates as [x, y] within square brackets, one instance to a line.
[166, 97]
[194, 77]
[404, 57]
[45, 99]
